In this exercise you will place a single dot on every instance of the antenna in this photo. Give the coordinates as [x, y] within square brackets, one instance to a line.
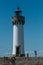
[18, 3]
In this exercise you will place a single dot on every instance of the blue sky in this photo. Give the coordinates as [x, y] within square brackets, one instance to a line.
[33, 28]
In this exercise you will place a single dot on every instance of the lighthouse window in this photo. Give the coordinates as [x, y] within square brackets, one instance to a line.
[17, 22]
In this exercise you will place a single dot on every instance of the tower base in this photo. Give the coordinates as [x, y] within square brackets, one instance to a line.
[20, 55]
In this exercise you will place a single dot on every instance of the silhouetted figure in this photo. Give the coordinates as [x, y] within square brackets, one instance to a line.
[35, 53]
[27, 55]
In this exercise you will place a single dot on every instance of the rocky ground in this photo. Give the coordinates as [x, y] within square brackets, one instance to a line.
[21, 60]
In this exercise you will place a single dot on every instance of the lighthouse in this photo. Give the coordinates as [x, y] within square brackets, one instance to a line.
[18, 33]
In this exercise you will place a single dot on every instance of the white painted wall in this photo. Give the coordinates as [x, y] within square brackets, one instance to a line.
[18, 38]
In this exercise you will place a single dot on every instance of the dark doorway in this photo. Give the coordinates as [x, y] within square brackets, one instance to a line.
[18, 50]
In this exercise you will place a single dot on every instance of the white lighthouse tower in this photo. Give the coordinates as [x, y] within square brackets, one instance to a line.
[18, 33]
